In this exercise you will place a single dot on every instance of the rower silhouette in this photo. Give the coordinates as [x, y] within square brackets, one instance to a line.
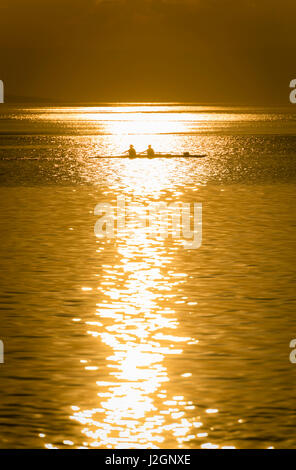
[132, 152]
[150, 152]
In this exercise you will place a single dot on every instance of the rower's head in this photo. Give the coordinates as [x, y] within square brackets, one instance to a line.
[149, 146]
[131, 146]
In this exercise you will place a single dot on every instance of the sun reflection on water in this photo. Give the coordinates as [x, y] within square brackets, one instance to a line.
[135, 408]
[137, 320]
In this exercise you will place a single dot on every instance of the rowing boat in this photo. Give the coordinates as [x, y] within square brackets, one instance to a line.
[157, 155]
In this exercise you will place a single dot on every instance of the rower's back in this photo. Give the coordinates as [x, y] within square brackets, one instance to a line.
[150, 152]
[132, 152]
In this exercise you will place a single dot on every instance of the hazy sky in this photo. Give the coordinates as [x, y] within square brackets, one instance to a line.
[230, 51]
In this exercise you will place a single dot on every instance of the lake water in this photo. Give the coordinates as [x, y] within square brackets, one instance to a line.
[137, 342]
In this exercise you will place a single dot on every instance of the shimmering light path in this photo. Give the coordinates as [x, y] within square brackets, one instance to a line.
[135, 341]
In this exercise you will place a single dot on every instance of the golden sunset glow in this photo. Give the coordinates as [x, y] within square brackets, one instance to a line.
[135, 409]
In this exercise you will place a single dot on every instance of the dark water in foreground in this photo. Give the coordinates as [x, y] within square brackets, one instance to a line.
[138, 342]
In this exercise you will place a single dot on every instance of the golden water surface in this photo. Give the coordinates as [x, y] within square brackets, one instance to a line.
[137, 342]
